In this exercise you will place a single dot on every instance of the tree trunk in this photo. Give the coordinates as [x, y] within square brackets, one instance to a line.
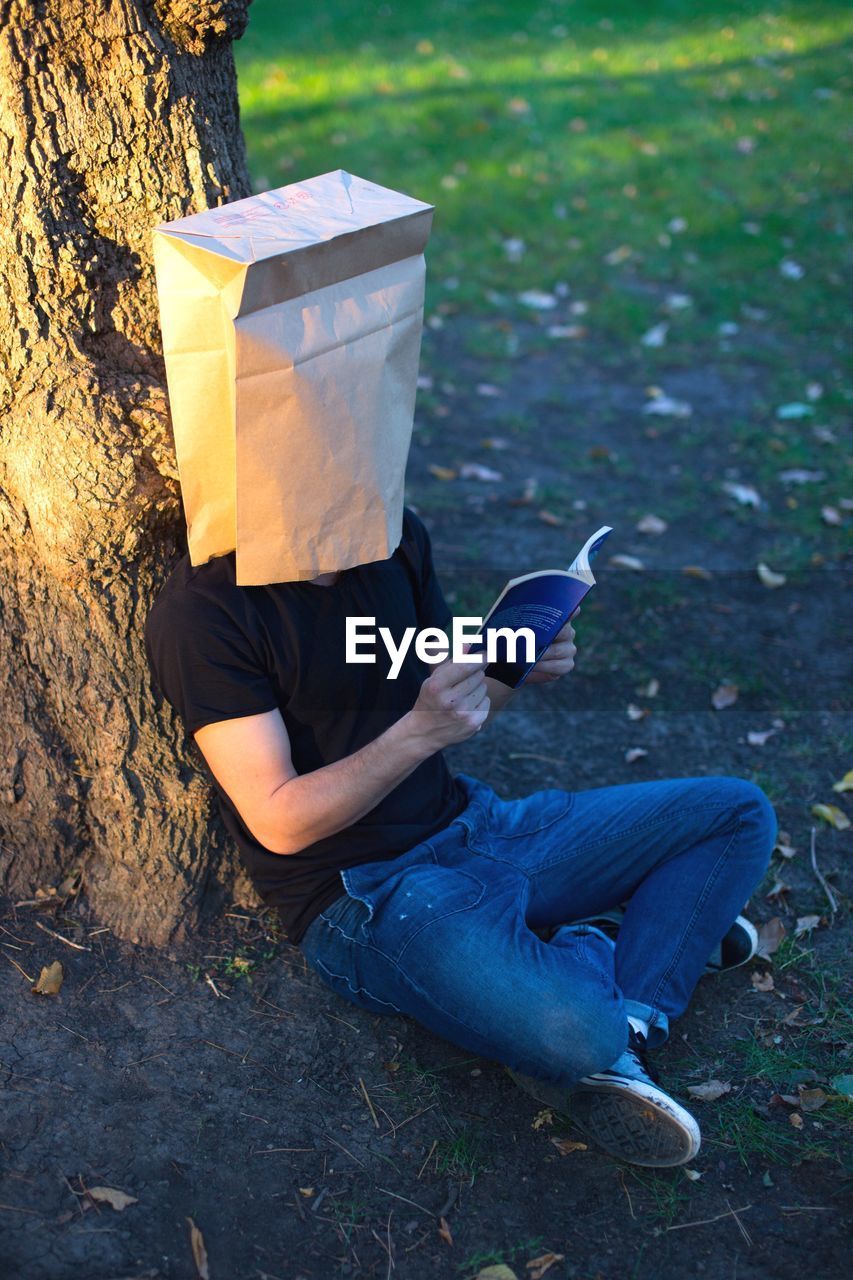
[116, 115]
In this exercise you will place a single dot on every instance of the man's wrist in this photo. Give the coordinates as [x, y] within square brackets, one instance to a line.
[413, 743]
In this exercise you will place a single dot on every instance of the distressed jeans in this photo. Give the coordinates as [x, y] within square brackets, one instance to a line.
[446, 933]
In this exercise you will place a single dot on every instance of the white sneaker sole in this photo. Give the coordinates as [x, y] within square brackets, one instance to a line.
[632, 1121]
[635, 1122]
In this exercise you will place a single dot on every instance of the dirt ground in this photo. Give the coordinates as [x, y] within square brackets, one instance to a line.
[225, 1087]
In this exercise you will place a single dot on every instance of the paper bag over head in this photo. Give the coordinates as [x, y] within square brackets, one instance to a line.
[291, 326]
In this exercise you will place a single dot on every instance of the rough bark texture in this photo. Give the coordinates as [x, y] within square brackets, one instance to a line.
[116, 115]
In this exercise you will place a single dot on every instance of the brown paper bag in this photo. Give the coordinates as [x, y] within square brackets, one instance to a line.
[291, 326]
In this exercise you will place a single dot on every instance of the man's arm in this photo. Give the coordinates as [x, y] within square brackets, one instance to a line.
[285, 811]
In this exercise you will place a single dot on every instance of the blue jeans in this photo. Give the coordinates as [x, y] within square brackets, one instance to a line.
[445, 933]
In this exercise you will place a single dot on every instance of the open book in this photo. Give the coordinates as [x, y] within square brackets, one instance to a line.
[542, 601]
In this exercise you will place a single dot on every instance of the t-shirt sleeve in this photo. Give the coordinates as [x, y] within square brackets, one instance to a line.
[204, 662]
[433, 609]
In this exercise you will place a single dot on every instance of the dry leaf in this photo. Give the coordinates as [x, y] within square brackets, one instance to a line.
[566, 1146]
[634, 712]
[49, 980]
[745, 494]
[626, 562]
[650, 690]
[783, 845]
[652, 524]
[710, 1091]
[633, 754]
[845, 783]
[538, 1266]
[530, 487]
[724, 696]
[693, 1174]
[500, 1271]
[444, 1232]
[306, 1191]
[796, 1120]
[768, 578]
[805, 924]
[667, 407]
[119, 1200]
[441, 473]
[537, 300]
[812, 1099]
[833, 815]
[548, 517]
[656, 336]
[763, 981]
[770, 935]
[758, 737]
[199, 1251]
[474, 471]
[542, 1117]
[696, 571]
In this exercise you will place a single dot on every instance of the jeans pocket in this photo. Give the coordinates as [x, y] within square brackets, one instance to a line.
[507, 820]
[406, 900]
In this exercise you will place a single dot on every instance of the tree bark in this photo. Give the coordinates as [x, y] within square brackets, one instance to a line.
[116, 115]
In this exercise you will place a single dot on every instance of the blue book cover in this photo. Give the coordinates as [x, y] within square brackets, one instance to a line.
[542, 601]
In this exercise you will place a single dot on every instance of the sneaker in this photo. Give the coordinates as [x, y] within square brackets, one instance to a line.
[737, 947]
[624, 1111]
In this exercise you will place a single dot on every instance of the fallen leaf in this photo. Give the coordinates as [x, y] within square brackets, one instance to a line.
[833, 815]
[693, 1174]
[542, 1117]
[763, 981]
[536, 300]
[770, 935]
[799, 475]
[758, 737]
[710, 1091]
[745, 494]
[652, 524]
[199, 1251]
[475, 471]
[656, 336]
[796, 1120]
[626, 562]
[783, 845]
[441, 473]
[724, 696]
[500, 1271]
[548, 517]
[778, 890]
[118, 1200]
[794, 410]
[696, 571]
[845, 783]
[444, 1232]
[843, 1085]
[668, 407]
[812, 1099]
[495, 442]
[566, 331]
[307, 1192]
[566, 1146]
[650, 690]
[634, 712]
[633, 754]
[768, 578]
[805, 924]
[49, 980]
[538, 1266]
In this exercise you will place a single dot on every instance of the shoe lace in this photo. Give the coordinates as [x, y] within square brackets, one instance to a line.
[638, 1048]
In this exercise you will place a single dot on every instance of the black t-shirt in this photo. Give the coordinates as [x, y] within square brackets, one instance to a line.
[218, 651]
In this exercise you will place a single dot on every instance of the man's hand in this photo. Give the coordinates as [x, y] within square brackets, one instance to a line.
[559, 658]
[452, 703]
